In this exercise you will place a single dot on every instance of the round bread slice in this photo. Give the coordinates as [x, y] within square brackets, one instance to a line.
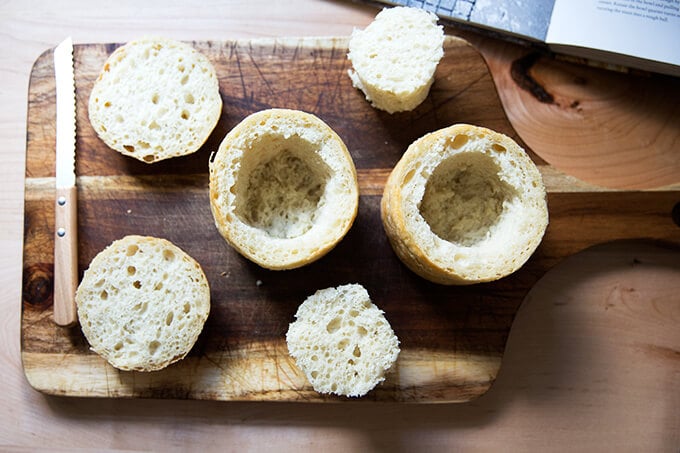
[341, 341]
[283, 188]
[154, 99]
[395, 57]
[464, 205]
[142, 303]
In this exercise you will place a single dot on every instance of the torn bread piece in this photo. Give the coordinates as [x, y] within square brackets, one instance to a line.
[342, 342]
[395, 57]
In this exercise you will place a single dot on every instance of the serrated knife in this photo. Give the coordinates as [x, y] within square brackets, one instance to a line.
[65, 213]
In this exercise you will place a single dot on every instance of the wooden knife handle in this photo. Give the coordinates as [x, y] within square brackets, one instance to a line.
[65, 256]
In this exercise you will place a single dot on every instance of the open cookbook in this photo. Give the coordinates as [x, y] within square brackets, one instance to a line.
[638, 34]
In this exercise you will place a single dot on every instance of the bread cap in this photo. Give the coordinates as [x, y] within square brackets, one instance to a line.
[283, 188]
[142, 303]
[395, 57]
[464, 205]
[342, 341]
[155, 98]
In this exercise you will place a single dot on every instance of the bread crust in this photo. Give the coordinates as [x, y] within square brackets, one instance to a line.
[487, 169]
[155, 98]
[283, 188]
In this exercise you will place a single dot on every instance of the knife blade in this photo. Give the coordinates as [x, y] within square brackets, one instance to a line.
[65, 213]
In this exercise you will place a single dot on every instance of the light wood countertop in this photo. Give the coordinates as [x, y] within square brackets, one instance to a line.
[592, 362]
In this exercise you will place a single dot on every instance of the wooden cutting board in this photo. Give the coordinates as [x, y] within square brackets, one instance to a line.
[452, 338]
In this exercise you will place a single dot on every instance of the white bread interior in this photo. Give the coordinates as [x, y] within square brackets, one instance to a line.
[342, 342]
[395, 57]
[154, 99]
[142, 303]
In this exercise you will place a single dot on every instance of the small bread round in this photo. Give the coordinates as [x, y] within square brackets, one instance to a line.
[142, 303]
[283, 188]
[395, 57]
[341, 341]
[155, 98]
[464, 205]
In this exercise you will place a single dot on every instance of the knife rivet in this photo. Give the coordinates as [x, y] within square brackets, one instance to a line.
[61, 232]
[61, 201]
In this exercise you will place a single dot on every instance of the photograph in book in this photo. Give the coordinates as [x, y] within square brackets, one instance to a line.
[636, 34]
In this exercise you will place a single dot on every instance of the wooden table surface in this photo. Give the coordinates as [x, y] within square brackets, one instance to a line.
[593, 359]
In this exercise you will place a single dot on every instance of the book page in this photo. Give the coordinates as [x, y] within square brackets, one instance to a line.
[648, 29]
[528, 19]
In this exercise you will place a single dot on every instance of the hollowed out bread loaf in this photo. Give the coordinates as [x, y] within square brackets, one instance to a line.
[395, 57]
[283, 188]
[142, 303]
[155, 98]
[342, 341]
[464, 205]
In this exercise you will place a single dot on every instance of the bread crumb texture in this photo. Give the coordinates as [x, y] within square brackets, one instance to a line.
[464, 205]
[154, 99]
[342, 341]
[283, 188]
[142, 303]
[395, 57]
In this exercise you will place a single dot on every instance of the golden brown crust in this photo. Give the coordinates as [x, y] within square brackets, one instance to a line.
[283, 188]
[507, 236]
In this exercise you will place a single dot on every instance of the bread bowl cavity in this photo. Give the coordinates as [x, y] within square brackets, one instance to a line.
[464, 205]
[283, 188]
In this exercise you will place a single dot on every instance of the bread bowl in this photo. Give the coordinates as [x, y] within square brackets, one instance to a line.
[464, 205]
[283, 188]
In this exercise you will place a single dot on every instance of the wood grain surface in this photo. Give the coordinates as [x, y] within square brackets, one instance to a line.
[452, 339]
[609, 128]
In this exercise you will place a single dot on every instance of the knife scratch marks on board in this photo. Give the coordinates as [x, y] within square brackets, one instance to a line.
[456, 94]
[339, 82]
[237, 59]
[260, 73]
[331, 80]
[331, 59]
[296, 52]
